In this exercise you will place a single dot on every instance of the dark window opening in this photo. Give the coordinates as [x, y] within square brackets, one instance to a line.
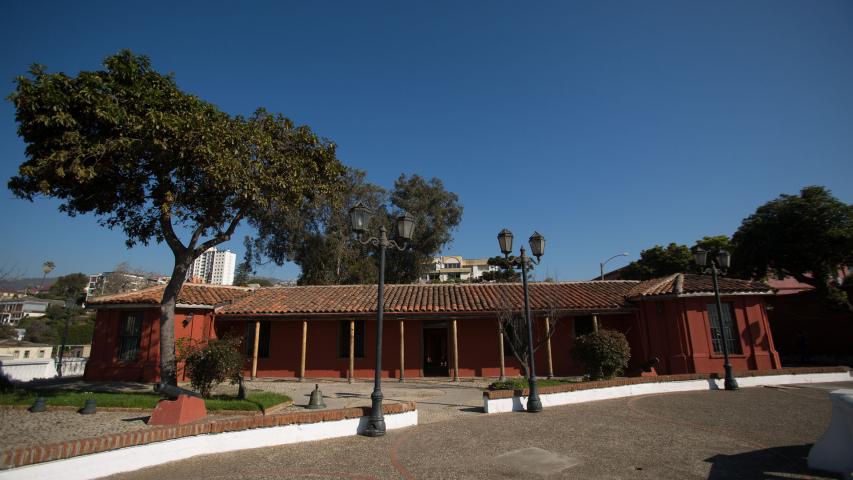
[343, 339]
[130, 334]
[583, 325]
[509, 335]
[732, 341]
[263, 340]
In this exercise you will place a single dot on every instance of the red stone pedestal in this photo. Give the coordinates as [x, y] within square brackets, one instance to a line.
[185, 409]
[651, 373]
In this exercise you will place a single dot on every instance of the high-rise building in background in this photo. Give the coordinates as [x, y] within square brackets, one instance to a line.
[213, 267]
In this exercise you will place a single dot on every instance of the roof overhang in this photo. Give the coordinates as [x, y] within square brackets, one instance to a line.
[700, 295]
[410, 315]
[126, 306]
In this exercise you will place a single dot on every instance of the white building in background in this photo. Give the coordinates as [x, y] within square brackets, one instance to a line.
[214, 267]
[454, 268]
[14, 310]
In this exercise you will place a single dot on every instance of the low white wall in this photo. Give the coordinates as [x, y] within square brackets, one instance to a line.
[833, 452]
[133, 458]
[29, 369]
[519, 404]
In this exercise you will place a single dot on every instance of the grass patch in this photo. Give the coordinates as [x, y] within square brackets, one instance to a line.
[521, 383]
[255, 400]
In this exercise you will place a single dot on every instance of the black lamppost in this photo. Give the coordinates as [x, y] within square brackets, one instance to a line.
[537, 247]
[69, 304]
[360, 217]
[722, 262]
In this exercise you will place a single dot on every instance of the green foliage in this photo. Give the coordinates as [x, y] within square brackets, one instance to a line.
[604, 354]
[7, 331]
[70, 286]
[211, 363]
[40, 331]
[509, 270]
[127, 145]
[807, 236]
[322, 244]
[520, 383]
[247, 267]
[255, 400]
[659, 262]
[264, 282]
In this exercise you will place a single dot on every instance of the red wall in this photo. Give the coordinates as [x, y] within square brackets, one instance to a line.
[677, 331]
[674, 330]
[103, 363]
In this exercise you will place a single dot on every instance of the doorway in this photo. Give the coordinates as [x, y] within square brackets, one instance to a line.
[435, 350]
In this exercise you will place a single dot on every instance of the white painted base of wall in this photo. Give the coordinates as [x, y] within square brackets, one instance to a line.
[519, 404]
[133, 458]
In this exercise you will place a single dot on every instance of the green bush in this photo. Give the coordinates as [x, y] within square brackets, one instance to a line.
[520, 383]
[211, 363]
[604, 354]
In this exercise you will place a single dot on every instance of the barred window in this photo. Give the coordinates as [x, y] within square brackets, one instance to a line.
[130, 333]
[732, 337]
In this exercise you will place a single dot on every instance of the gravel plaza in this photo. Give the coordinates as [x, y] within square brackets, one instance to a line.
[761, 432]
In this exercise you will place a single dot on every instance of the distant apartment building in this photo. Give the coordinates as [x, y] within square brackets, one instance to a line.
[107, 283]
[14, 310]
[20, 350]
[454, 268]
[214, 267]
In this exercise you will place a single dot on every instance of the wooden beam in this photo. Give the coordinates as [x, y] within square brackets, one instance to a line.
[455, 353]
[255, 349]
[595, 323]
[501, 351]
[304, 348]
[548, 347]
[402, 352]
[351, 351]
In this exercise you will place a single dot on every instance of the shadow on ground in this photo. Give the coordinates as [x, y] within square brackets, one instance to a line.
[788, 462]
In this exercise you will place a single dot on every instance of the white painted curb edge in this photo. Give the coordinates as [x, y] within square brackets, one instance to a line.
[518, 404]
[133, 458]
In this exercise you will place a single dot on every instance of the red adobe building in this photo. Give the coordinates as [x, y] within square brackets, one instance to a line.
[329, 331]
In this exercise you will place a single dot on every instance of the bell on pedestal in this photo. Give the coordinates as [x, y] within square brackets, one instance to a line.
[38, 405]
[90, 407]
[316, 398]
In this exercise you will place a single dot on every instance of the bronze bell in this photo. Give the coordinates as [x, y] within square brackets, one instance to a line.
[39, 405]
[316, 398]
[89, 407]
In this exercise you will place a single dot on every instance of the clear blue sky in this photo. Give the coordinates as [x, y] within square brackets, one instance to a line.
[607, 126]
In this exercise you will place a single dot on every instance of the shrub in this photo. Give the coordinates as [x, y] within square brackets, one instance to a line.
[604, 354]
[209, 364]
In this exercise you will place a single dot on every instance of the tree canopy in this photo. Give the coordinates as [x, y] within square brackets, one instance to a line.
[807, 236]
[69, 286]
[126, 144]
[322, 242]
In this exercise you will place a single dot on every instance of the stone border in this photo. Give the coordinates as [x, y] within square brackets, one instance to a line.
[15, 457]
[71, 408]
[498, 401]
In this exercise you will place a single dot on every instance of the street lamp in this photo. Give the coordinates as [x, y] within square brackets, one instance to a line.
[359, 218]
[602, 264]
[723, 261]
[537, 247]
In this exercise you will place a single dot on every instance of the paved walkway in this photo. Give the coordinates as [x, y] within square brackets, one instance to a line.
[751, 433]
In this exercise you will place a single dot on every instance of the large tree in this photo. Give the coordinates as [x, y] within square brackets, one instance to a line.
[659, 261]
[322, 243]
[807, 236]
[127, 145]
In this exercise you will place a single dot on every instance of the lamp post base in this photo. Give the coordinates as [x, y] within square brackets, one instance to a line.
[730, 383]
[534, 405]
[376, 420]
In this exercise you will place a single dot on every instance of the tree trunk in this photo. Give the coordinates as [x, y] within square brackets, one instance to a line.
[168, 363]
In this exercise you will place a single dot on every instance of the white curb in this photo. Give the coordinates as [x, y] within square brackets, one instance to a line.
[519, 404]
[133, 458]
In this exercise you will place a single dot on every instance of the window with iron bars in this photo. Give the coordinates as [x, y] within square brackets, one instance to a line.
[732, 337]
[130, 333]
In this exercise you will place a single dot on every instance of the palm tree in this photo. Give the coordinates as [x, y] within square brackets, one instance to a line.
[46, 267]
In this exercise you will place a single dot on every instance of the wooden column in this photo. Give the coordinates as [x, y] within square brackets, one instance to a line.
[351, 351]
[455, 353]
[304, 348]
[595, 323]
[501, 351]
[548, 347]
[255, 349]
[402, 352]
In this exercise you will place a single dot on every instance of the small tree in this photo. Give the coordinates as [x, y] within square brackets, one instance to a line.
[210, 363]
[604, 354]
[514, 328]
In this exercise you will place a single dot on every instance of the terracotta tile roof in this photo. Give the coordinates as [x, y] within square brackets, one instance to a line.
[419, 298]
[191, 294]
[688, 283]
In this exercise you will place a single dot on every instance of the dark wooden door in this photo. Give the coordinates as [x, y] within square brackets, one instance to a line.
[435, 352]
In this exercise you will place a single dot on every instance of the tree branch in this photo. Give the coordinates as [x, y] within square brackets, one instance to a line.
[169, 233]
[221, 236]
